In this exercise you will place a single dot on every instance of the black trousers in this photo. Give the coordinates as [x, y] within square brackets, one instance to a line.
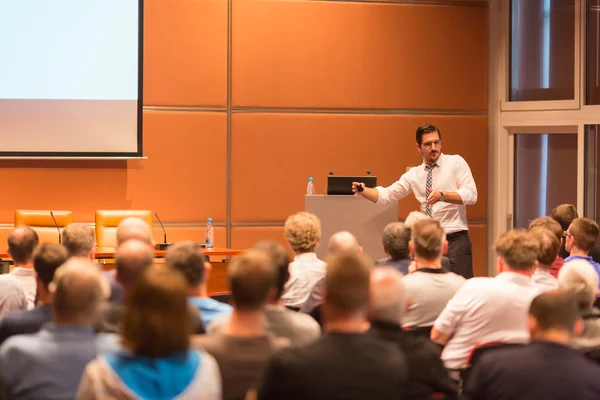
[460, 253]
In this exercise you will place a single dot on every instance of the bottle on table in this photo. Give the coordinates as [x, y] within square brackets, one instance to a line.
[310, 188]
[209, 234]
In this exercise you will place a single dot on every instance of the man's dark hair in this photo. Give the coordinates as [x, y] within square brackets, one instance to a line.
[584, 232]
[252, 277]
[564, 214]
[556, 309]
[47, 257]
[425, 129]
[187, 258]
[281, 261]
[21, 243]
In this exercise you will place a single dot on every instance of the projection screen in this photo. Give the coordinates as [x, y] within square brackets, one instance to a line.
[71, 78]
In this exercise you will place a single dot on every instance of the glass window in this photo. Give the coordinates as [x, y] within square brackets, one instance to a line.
[545, 174]
[542, 50]
[593, 52]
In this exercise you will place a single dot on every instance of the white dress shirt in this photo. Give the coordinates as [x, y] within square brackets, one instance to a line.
[26, 278]
[451, 174]
[544, 280]
[486, 310]
[305, 271]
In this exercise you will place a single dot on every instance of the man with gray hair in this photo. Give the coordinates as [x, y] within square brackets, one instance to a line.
[343, 241]
[78, 239]
[396, 236]
[581, 279]
[49, 364]
[427, 374]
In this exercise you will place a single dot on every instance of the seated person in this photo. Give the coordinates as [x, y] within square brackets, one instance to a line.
[554, 227]
[303, 233]
[549, 246]
[491, 309]
[396, 236]
[545, 369]
[579, 240]
[580, 278]
[565, 214]
[22, 241]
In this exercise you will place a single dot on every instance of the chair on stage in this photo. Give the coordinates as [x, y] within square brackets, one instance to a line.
[41, 221]
[107, 222]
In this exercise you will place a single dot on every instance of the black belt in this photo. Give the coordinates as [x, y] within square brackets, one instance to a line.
[455, 235]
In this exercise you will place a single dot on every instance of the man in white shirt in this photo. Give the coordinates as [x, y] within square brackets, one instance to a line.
[22, 241]
[444, 186]
[491, 309]
[549, 247]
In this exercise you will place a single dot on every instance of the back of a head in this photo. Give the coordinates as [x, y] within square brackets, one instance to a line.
[281, 261]
[303, 232]
[21, 242]
[156, 322]
[387, 302]
[347, 283]
[252, 277]
[584, 232]
[428, 239]
[519, 249]
[187, 258]
[78, 290]
[47, 258]
[396, 236]
[79, 239]
[549, 246]
[555, 310]
[550, 224]
[564, 214]
[134, 228]
[581, 279]
[343, 241]
[414, 217]
[132, 258]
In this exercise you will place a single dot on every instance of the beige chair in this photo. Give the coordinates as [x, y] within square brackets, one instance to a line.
[41, 221]
[107, 222]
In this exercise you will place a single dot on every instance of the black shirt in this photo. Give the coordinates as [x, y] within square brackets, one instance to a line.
[337, 366]
[540, 370]
[26, 321]
[427, 374]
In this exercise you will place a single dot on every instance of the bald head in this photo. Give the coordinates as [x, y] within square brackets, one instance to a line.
[78, 289]
[134, 228]
[387, 302]
[132, 258]
[21, 242]
[342, 242]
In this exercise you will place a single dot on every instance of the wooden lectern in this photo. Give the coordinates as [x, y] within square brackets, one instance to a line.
[354, 214]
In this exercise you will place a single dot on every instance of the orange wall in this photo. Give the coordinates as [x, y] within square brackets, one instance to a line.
[303, 87]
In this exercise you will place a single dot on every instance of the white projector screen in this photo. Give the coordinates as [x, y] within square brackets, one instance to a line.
[71, 78]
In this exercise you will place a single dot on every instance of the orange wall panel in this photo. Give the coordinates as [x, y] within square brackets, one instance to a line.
[333, 54]
[247, 236]
[185, 52]
[274, 154]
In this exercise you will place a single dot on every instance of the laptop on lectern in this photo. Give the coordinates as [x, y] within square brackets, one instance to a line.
[342, 185]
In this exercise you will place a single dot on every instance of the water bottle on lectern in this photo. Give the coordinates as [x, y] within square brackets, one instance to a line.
[210, 234]
[310, 188]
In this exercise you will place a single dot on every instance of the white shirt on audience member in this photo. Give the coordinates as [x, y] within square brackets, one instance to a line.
[26, 278]
[486, 310]
[542, 278]
[452, 174]
[305, 271]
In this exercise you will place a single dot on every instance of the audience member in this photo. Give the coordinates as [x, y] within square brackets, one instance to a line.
[303, 233]
[414, 217]
[396, 236]
[47, 257]
[21, 243]
[580, 278]
[579, 239]
[565, 214]
[549, 246]
[545, 369]
[157, 362]
[430, 287]
[344, 363]
[79, 239]
[426, 372]
[49, 364]
[132, 258]
[12, 296]
[491, 309]
[243, 346]
[343, 241]
[187, 258]
[134, 228]
[554, 227]
[299, 328]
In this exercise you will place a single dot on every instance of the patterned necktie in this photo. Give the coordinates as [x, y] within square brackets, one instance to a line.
[429, 187]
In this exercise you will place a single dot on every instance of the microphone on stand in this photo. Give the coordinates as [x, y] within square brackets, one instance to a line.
[368, 172]
[57, 228]
[164, 245]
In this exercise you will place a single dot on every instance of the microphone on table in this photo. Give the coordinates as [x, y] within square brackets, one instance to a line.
[57, 228]
[164, 245]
